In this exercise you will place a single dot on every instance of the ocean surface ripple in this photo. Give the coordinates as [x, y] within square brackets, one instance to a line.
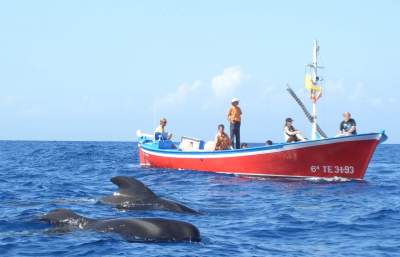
[242, 216]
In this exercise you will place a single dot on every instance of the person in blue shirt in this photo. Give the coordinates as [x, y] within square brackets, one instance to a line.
[348, 126]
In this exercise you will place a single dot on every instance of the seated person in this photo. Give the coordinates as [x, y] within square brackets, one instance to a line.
[348, 126]
[222, 141]
[291, 134]
[160, 133]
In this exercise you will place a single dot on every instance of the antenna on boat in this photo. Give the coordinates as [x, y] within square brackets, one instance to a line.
[312, 82]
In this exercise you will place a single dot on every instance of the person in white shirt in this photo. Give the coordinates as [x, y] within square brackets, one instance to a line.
[160, 132]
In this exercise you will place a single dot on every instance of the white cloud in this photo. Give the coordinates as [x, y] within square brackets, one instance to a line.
[181, 93]
[334, 87]
[356, 93]
[200, 93]
[392, 100]
[227, 82]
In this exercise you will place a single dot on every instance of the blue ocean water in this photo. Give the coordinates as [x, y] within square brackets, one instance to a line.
[242, 216]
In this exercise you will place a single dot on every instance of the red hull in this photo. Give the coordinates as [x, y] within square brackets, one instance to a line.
[346, 157]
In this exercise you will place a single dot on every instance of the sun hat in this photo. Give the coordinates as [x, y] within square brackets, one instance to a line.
[235, 100]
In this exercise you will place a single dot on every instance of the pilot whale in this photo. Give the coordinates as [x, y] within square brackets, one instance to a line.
[134, 195]
[134, 230]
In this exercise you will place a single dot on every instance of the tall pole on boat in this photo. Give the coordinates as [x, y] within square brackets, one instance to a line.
[315, 88]
[315, 76]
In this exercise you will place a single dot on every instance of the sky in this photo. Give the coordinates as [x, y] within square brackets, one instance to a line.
[100, 70]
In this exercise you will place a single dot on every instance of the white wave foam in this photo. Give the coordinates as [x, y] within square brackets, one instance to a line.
[332, 179]
[77, 200]
[132, 165]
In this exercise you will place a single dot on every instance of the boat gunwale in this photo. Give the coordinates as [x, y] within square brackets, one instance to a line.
[257, 149]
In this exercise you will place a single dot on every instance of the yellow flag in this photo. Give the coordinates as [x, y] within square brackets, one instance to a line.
[308, 83]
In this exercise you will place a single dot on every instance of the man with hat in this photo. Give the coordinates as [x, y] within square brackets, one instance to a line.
[234, 118]
[292, 134]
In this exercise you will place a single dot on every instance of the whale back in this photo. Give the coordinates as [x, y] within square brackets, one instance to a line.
[130, 187]
[135, 230]
[150, 229]
[66, 217]
[166, 204]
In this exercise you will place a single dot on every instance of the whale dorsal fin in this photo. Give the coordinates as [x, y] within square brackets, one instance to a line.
[131, 187]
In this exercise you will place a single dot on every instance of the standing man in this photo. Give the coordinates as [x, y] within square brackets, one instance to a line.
[348, 126]
[234, 118]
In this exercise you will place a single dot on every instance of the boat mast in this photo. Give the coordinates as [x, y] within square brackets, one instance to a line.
[315, 80]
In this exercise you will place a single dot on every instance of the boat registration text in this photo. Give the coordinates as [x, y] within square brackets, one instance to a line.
[332, 169]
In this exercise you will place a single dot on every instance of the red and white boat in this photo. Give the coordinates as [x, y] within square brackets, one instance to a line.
[345, 156]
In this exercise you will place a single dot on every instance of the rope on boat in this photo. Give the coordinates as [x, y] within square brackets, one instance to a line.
[306, 112]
